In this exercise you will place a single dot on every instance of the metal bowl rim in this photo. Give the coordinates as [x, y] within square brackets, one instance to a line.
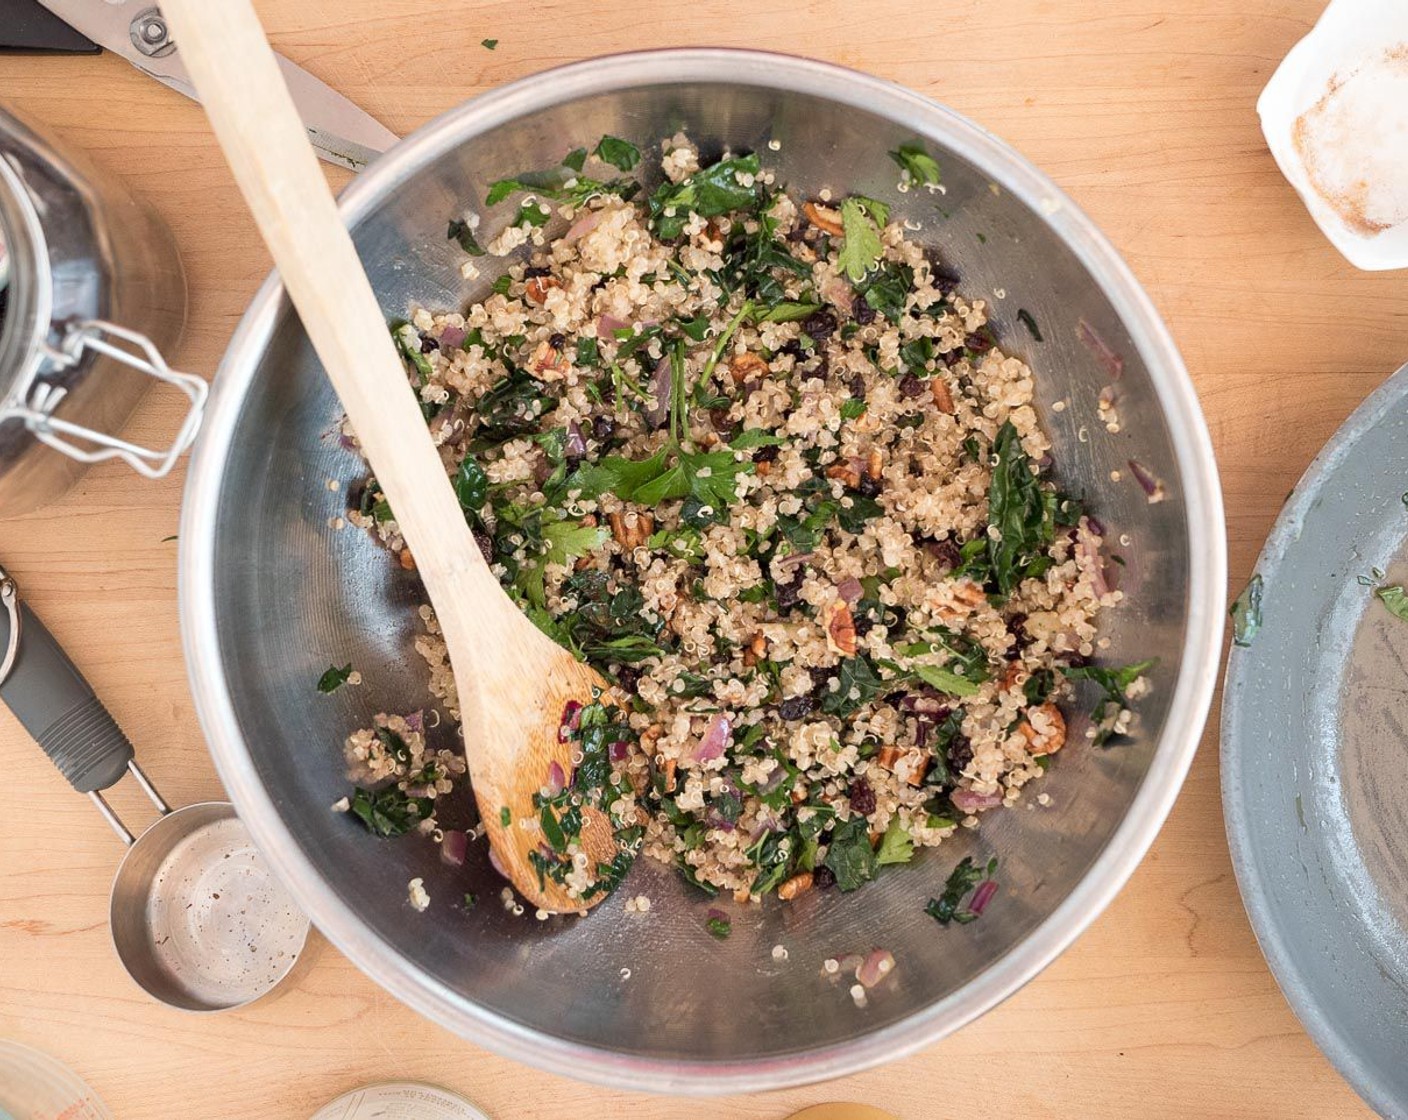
[1187, 711]
[1251, 882]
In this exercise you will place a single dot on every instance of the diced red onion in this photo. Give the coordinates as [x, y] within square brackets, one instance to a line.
[716, 915]
[773, 780]
[1148, 482]
[571, 720]
[1113, 363]
[1095, 525]
[970, 801]
[765, 823]
[618, 751]
[583, 225]
[982, 896]
[879, 964]
[415, 721]
[347, 443]
[662, 389]
[575, 445]
[795, 559]
[850, 589]
[497, 863]
[452, 336]
[454, 847]
[608, 325]
[717, 738]
[557, 778]
[723, 824]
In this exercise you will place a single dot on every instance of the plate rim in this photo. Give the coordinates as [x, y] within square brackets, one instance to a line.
[1238, 822]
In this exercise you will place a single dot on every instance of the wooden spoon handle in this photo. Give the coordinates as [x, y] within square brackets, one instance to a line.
[257, 124]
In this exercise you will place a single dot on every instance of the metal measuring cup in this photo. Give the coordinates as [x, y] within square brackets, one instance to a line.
[197, 918]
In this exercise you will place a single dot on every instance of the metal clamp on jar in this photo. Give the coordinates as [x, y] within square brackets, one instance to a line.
[91, 295]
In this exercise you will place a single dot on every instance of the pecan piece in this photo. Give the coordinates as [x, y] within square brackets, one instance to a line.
[841, 629]
[798, 884]
[547, 358]
[823, 217]
[741, 367]
[1048, 734]
[848, 475]
[943, 399]
[537, 288]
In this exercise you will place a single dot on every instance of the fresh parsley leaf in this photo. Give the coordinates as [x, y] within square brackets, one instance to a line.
[888, 290]
[944, 680]
[471, 485]
[334, 678]
[857, 685]
[787, 311]
[896, 846]
[849, 854]
[709, 192]
[1039, 686]
[852, 518]
[488, 44]
[1246, 613]
[852, 409]
[554, 184]
[588, 353]
[914, 160]
[505, 816]
[719, 928]
[566, 540]
[408, 342]
[459, 231]
[553, 832]
[964, 878]
[394, 744]
[576, 159]
[696, 328]
[390, 811]
[621, 154]
[756, 437]
[1020, 512]
[532, 214]
[861, 249]
[502, 285]
[878, 211]
[1025, 318]
[629, 650]
[1114, 683]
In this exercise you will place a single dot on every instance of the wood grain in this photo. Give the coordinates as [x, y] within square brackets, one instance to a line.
[1145, 113]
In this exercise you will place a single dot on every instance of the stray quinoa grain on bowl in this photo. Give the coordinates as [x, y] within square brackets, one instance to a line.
[759, 461]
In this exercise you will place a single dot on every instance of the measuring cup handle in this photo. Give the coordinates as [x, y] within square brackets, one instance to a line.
[57, 706]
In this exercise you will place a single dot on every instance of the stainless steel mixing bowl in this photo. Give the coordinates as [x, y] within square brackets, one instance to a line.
[270, 596]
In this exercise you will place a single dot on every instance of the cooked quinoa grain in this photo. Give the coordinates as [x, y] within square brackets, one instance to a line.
[760, 462]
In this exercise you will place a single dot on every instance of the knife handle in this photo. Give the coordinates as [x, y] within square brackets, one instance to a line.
[55, 704]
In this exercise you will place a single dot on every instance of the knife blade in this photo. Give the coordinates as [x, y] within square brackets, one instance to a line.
[341, 132]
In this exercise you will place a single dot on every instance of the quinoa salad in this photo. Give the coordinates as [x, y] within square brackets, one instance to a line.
[758, 460]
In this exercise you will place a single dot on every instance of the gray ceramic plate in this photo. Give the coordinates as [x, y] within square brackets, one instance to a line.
[1315, 752]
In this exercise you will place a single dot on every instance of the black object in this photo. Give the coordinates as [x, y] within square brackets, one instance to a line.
[26, 26]
[49, 696]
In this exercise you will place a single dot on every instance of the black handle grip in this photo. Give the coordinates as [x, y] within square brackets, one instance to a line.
[57, 706]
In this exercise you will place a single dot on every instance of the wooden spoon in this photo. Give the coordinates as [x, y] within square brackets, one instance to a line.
[514, 682]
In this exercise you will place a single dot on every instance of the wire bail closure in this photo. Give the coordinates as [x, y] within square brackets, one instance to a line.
[141, 354]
